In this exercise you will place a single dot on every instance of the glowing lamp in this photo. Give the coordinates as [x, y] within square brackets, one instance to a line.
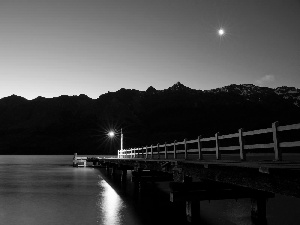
[111, 134]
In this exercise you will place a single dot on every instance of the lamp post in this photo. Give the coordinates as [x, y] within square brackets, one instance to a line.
[112, 134]
[121, 139]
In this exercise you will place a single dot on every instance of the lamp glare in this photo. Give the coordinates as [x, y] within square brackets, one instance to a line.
[111, 134]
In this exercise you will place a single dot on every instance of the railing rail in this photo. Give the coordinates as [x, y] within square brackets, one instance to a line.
[166, 149]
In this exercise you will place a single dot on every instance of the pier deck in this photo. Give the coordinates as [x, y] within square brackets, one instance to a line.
[276, 177]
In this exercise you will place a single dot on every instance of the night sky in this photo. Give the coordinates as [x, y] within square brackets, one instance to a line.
[69, 47]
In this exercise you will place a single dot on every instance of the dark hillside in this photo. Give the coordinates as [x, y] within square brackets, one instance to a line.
[68, 124]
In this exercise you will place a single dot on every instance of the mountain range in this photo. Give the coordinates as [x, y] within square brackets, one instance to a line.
[68, 124]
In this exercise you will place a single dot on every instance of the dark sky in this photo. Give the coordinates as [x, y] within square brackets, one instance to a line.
[54, 47]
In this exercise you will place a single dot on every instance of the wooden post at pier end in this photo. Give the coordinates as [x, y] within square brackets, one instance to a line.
[158, 150]
[242, 149]
[175, 155]
[200, 155]
[218, 153]
[75, 156]
[75, 160]
[277, 150]
[185, 149]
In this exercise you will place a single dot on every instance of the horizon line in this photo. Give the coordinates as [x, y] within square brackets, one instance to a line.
[77, 95]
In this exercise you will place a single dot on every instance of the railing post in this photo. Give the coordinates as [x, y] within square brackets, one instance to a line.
[175, 156]
[166, 154]
[146, 151]
[125, 153]
[218, 153]
[278, 154]
[158, 150]
[151, 151]
[241, 141]
[200, 155]
[185, 149]
[142, 149]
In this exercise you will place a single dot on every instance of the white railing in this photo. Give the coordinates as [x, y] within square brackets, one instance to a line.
[163, 150]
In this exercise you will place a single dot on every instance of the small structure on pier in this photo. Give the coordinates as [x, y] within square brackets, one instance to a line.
[79, 161]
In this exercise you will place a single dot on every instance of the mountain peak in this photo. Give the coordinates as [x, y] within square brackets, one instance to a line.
[14, 98]
[151, 90]
[179, 87]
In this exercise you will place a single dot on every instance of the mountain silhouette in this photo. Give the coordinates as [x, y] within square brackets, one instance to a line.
[68, 124]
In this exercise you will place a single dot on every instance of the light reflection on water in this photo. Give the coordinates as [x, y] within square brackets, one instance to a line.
[47, 190]
[110, 204]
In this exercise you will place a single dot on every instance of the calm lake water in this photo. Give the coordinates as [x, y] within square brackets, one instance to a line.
[46, 190]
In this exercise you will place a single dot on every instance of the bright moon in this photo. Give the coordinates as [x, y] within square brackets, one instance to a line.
[221, 32]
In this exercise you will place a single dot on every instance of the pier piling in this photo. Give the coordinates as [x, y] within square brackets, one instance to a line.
[258, 209]
[192, 209]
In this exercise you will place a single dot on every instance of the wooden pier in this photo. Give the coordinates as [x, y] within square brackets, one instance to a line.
[214, 173]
